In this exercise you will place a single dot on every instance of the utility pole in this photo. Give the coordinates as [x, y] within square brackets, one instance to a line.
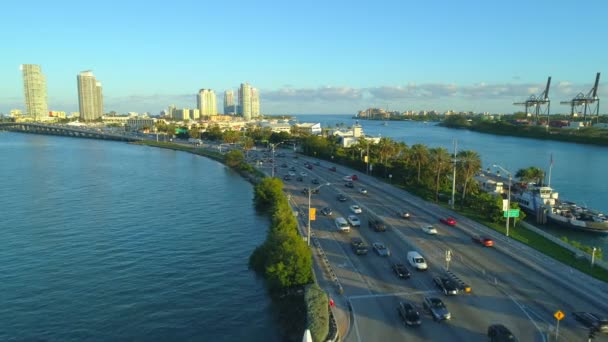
[454, 174]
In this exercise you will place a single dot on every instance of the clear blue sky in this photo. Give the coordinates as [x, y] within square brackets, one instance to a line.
[307, 56]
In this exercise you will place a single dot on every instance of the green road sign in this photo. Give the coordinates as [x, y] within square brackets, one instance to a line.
[511, 213]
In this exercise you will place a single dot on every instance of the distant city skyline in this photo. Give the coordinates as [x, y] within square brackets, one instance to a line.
[463, 56]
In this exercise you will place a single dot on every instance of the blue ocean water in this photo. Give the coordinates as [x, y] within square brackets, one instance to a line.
[106, 241]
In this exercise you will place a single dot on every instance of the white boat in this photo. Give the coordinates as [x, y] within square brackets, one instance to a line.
[543, 201]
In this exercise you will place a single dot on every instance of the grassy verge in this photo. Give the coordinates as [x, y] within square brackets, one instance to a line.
[178, 147]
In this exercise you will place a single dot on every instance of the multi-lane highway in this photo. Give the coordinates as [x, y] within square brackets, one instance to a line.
[511, 283]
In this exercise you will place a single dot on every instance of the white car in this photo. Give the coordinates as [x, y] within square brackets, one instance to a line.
[429, 230]
[292, 174]
[353, 220]
[303, 174]
[356, 209]
[363, 191]
[347, 178]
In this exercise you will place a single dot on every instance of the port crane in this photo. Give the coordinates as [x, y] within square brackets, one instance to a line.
[540, 103]
[586, 103]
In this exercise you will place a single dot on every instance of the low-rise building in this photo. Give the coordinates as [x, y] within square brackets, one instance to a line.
[310, 128]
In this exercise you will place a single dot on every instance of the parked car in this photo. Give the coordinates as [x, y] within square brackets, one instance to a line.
[327, 211]
[376, 224]
[381, 249]
[409, 314]
[356, 209]
[358, 246]
[429, 230]
[353, 220]
[333, 168]
[500, 333]
[483, 240]
[591, 320]
[401, 271]
[446, 285]
[363, 191]
[436, 308]
[342, 198]
[448, 220]
[404, 214]
[349, 185]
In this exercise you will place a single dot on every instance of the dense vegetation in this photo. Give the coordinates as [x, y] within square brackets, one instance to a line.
[317, 314]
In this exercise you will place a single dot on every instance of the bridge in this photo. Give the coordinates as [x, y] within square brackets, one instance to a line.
[63, 130]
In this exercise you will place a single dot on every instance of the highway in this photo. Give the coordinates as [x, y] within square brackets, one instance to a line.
[511, 283]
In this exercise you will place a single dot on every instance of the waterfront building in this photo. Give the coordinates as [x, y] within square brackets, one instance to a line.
[139, 123]
[255, 103]
[16, 113]
[34, 88]
[229, 103]
[309, 128]
[245, 101]
[206, 102]
[276, 127]
[90, 98]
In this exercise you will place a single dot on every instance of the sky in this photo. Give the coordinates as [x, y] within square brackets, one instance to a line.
[317, 57]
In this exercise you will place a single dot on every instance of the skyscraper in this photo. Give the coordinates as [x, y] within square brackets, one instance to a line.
[90, 97]
[245, 101]
[206, 102]
[255, 103]
[34, 89]
[229, 107]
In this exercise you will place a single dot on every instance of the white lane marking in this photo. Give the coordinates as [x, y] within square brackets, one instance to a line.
[522, 308]
[391, 294]
[355, 323]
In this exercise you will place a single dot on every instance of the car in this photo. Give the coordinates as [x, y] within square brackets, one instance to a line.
[287, 177]
[500, 333]
[283, 165]
[313, 191]
[292, 168]
[408, 313]
[429, 230]
[300, 179]
[404, 214]
[446, 285]
[401, 271]
[327, 211]
[292, 174]
[309, 166]
[376, 224]
[303, 174]
[354, 177]
[448, 220]
[314, 181]
[353, 220]
[356, 209]
[349, 185]
[347, 179]
[358, 246]
[436, 308]
[363, 191]
[483, 240]
[342, 198]
[381, 249]
[333, 168]
[591, 320]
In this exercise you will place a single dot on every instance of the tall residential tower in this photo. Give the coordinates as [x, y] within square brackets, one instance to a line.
[245, 101]
[229, 104]
[90, 97]
[206, 102]
[34, 88]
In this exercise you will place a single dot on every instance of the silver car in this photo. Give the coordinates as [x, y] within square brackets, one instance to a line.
[381, 249]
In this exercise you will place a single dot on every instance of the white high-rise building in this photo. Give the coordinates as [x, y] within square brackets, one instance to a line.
[255, 103]
[229, 103]
[34, 88]
[90, 97]
[206, 102]
[245, 101]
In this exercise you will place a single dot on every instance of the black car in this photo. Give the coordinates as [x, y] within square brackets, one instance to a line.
[327, 211]
[342, 198]
[300, 179]
[436, 308]
[315, 181]
[401, 271]
[446, 285]
[349, 185]
[358, 246]
[292, 168]
[500, 333]
[287, 177]
[283, 165]
[409, 314]
[376, 224]
[591, 320]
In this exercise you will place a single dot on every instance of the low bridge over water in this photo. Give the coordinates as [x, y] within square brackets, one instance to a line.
[63, 130]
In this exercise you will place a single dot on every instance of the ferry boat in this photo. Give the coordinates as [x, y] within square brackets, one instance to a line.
[544, 203]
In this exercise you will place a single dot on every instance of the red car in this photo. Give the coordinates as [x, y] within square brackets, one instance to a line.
[483, 240]
[354, 177]
[448, 220]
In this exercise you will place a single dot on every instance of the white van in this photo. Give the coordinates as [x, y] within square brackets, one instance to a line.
[342, 225]
[416, 261]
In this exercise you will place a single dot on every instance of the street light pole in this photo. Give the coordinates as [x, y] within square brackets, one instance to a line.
[508, 196]
[454, 174]
[309, 199]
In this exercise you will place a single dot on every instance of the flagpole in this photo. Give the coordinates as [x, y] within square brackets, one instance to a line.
[550, 169]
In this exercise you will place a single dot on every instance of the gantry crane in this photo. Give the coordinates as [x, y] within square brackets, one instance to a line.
[540, 103]
[586, 103]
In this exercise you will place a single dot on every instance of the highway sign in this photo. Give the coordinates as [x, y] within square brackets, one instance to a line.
[559, 315]
[312, 214]
[511, 213]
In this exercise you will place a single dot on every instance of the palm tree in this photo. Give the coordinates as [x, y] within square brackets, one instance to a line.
[420, 155]
[440, 161]
[248, 144]
[469, 164]
[531, 174]
[386, 150]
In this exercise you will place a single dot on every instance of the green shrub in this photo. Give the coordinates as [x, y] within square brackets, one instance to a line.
[317, 312]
